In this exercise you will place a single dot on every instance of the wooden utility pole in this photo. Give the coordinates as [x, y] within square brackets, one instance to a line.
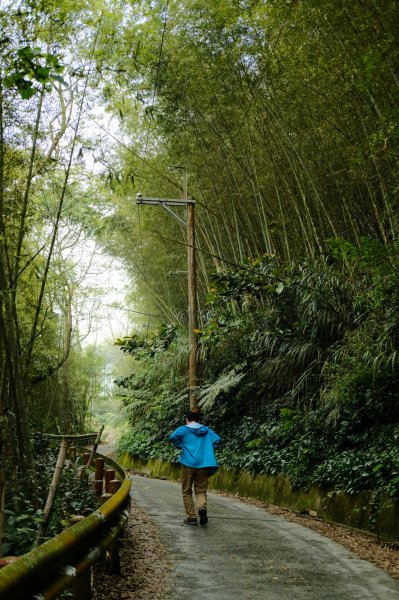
[192, 301]
[192, 281]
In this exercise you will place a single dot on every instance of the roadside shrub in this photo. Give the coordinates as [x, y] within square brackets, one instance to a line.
[22, 518]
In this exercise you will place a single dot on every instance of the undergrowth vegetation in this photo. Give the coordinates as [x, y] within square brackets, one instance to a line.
[75, 496]
[298, 370]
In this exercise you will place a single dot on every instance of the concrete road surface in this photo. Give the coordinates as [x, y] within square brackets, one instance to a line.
[244, 553]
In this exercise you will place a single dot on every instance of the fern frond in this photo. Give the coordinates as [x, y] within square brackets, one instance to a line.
[226, 382]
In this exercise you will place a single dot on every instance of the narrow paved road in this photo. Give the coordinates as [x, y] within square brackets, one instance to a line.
[244, 553]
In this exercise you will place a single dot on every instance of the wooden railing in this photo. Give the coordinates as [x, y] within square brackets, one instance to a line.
[64, 562]
[84, 439]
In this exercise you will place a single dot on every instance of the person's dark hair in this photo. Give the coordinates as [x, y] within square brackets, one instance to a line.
[193, 416]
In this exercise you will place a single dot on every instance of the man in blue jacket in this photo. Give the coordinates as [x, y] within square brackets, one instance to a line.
[197, 444]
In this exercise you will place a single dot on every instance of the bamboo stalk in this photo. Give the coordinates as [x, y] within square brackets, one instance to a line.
[52, 491]
[94, 450]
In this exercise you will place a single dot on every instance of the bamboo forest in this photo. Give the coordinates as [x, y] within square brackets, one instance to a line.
[278, 120]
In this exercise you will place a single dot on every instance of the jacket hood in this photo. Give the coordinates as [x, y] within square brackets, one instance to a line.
[198, 429]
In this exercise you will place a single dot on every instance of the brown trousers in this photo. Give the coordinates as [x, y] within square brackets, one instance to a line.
[199, 479]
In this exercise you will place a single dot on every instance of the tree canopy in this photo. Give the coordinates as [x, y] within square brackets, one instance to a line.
[284, 115]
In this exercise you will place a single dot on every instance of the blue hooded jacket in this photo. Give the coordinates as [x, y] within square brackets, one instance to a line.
[197, 444]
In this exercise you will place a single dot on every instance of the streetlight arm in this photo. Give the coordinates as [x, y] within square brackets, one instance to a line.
[164, 201]
[166, 207]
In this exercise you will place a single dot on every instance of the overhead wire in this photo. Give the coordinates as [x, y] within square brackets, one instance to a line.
[173, 182]
[138, 312]
[161, 46]
[162, 174]
[225, 260]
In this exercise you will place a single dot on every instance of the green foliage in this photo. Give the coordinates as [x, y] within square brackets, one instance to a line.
[20, 527]
[371, 468]
[147, 347]
[146, 441]
[74, 497]
[303, 350]
[155, 394]
[225, 383]
[30, 69]
[297, 373]
[74, 494]
[22, 519]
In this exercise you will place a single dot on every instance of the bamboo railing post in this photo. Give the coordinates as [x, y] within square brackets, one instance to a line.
[104, 498]
[53, 490]
[98, 488]
[94, 450]
[109, 475]
[82, 587]
[114, 560]
[2, 507]
[114, 485]
[87, 462]
[99, 468]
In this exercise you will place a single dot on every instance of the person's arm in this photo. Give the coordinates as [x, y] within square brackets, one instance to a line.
[216, 440]
[177, 438]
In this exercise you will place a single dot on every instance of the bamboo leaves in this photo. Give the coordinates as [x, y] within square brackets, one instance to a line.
[30, 69]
